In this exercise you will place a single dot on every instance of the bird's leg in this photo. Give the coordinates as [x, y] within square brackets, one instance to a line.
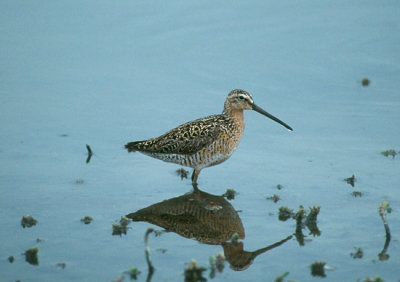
[195, 174]
[195, 187]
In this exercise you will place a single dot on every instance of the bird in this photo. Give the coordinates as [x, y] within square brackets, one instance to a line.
[207, 141]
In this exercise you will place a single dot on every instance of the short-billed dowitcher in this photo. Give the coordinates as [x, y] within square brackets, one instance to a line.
[206, 141]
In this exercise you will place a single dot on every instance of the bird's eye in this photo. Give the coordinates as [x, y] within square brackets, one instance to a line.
[241, 97]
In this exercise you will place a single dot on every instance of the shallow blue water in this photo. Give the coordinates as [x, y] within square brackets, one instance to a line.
[108, 73]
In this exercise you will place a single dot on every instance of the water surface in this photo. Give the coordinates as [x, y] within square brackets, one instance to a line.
[105, 73]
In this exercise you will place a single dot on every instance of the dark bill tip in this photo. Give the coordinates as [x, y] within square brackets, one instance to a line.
[261, 111]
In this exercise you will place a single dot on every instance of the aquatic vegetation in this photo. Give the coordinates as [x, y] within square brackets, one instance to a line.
[299, 217]
[28, 221]
[383, 209]
[376, 278]
[147, 251]
[162, 250]
[302, 219]
[217, 264]
[183, 173]
[279, 186]
[11, 259]
[285, 213]
[124, 221]
[61, 265]
[230, 194]
[194, 272]
[119, 279]
[118, 229]
[275, 198]
[87, 219]
[311, 221]
[357, 194]
[357, 254]
[79, 181]
[318, 269]
[281, 277]
[390, 152]
[133, 273]
[121, 227]
[365, 82]
[235, 239]
[90, 153]
[31, 256]
[351, 180]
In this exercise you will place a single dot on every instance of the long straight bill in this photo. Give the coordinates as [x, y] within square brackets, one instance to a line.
[261, 111]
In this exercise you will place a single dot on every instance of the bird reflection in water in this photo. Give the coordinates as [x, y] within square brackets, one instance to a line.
[207, 218]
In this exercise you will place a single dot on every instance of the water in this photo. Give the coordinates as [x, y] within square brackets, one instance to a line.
[107, 73]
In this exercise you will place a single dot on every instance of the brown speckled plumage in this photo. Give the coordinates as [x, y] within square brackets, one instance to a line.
[203, 142]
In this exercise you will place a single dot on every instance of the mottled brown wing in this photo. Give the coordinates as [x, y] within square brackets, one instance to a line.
[187, 138]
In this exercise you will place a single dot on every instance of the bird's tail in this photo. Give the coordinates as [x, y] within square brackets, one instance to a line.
[133, 146]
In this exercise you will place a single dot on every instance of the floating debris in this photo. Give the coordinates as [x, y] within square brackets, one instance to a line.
[31, 256]
[28, 221]
[390, 152]
[64, 135]
[87, 219]
[61, 265]
[11, 259]
[365, 82]
[217, 264]
[318, 269]
[357, 194]
[358, 253]
[351, 180]
[38, 240]
[121, 227]
[275, 198]
[281, 277]
[230, 194]
[285, 213]
[90, 153]
[133, 273]
[279, 187]
[183, 173]
[79, 181]
[194, 272]
[376, 278]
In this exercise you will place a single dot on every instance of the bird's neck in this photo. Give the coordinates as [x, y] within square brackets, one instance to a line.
[235, 114]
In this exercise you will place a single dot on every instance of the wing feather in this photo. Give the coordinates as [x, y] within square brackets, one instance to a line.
[187, 138]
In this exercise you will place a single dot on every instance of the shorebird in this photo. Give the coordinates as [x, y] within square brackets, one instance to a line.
[206, 141]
